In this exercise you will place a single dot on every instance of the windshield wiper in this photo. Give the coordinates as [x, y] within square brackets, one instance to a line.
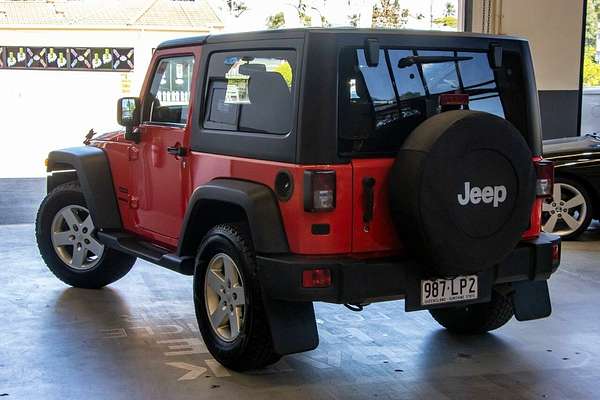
[412, 60]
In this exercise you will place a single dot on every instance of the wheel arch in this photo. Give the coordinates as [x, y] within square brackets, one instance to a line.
[90, 167]
[230, 200]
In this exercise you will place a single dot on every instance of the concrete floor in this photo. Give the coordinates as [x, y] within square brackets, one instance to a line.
[138, 339]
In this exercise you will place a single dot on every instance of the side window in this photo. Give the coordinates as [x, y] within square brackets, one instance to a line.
[251, 91]
[169, 95]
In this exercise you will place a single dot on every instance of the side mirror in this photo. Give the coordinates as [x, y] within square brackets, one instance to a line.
[128, 115]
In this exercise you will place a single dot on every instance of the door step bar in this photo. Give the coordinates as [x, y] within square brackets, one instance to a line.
[132, 245]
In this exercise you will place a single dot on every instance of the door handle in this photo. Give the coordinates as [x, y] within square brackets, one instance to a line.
[176, 150]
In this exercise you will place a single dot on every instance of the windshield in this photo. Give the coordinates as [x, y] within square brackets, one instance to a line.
[381, 105]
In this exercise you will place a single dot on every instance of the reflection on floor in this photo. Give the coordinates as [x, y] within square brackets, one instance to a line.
[138, 339]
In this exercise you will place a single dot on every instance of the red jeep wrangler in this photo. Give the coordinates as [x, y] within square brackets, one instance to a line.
[339, 165]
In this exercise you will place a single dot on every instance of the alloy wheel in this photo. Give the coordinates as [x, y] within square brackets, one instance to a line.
[72, 234]
[224, 297]
[565, 212]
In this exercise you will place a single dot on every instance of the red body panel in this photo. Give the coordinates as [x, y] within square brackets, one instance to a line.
[156, 182]
[205, 167]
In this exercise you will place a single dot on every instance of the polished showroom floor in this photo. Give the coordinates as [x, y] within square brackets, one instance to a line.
[138, 339]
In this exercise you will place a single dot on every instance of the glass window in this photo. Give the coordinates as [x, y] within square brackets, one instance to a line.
[477, 74]
[380, 106]
[169, 94]
[251, 91]
[440, 77]
[408, 80]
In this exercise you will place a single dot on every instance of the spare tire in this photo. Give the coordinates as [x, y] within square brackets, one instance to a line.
[462, 189]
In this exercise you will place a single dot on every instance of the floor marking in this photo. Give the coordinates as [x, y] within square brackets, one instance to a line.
[185, 347]
[194, 370]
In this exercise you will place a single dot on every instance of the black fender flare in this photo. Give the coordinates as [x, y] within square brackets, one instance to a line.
[258, 203]
[92, 170]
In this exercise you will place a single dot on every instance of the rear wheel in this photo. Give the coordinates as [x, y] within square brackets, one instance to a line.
[66, 238]
[228, 301]
[475, 318]
[568, 212]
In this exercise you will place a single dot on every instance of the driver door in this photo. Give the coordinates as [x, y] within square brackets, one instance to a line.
[158, 168]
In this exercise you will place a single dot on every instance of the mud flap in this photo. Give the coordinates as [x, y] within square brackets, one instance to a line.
[293, 325]
[531, 300]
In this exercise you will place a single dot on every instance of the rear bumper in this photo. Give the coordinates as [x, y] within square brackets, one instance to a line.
[362, 281]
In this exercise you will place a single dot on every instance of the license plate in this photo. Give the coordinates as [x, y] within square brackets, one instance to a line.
[440, 291]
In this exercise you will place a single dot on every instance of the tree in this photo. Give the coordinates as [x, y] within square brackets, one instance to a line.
[591, 26]
[591, 69]
[276, 21]
[354, 19]
[450, 10]
[389, 14]
[446, 21]
[236, 7]
[449, 17]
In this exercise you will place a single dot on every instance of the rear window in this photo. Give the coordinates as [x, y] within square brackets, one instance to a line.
[381, 105]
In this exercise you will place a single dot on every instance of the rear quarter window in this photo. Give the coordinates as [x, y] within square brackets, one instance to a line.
[250, 91]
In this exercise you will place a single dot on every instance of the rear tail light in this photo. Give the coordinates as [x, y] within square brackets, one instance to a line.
[316, 278]
[545, 177]
[319, 191]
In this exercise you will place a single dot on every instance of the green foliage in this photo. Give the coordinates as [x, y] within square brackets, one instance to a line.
[286, 72]
[446, 21]
[389, 14]
[591, 69]
[591, 27]
[306, 20]
[276, 21]
[236, 7]
[450, 10]
[301, 8]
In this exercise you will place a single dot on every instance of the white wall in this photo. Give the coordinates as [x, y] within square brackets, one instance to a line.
[553, 28]
[45, 110]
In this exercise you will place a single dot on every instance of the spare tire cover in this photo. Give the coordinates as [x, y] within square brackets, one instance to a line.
[462, 189]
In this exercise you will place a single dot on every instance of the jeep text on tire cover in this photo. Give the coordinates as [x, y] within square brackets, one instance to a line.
[285, 167]
[486, 195]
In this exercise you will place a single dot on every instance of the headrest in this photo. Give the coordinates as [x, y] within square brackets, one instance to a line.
[248, 69]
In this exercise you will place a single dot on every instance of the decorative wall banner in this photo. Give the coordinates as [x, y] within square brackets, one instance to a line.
[67, 58]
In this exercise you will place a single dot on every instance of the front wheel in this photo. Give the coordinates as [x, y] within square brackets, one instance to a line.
[66, 238]
[228, 301]
[475, 318]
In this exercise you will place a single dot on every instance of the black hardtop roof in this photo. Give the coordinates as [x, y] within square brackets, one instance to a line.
[298, 33]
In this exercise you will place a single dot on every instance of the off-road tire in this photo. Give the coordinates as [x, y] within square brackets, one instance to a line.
[112, 266]
[253, 348]
[475, 318]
